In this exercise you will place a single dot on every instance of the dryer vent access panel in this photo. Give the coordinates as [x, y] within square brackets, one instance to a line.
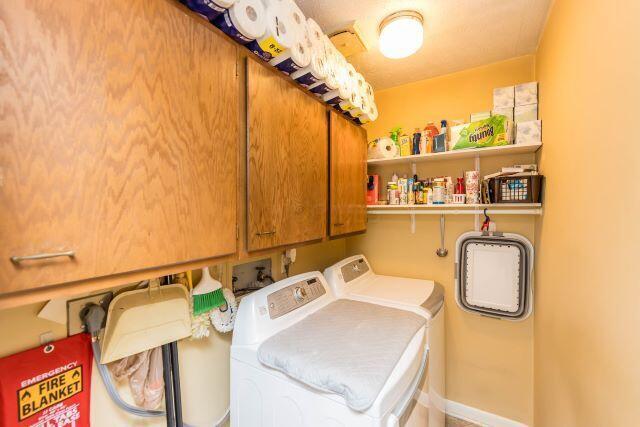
[494, 275]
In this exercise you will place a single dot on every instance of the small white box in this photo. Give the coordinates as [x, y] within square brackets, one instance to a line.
[504, 97]
[506, 111]
[479, 116]
[527, 93]
[529, 132]
[525, 113]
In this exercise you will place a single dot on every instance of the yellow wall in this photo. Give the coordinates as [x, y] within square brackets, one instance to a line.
[489, 362]
[587, 317]
[204, 364]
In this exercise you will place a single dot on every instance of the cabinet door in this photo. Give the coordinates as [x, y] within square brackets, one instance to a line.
[119, 135]
[287, 162]
[348, 209]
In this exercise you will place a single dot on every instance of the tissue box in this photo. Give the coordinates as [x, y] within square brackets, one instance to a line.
[489, 132]
[506, 111]
[479, 116]
[525, 113]
[529, 132]
[503, 97]
[527, 93]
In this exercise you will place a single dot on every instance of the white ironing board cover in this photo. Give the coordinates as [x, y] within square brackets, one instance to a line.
[348, 347]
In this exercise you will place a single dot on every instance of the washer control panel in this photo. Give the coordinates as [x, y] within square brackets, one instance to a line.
[354, 269]
[294, 296]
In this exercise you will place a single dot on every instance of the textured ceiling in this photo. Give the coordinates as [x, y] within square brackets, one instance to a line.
[459, 34]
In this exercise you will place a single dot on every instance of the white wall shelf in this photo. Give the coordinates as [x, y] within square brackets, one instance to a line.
[460, 154]
[450, 209]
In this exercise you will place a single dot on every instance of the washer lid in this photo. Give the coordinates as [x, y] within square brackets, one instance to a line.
[353, 277]
[402, 290]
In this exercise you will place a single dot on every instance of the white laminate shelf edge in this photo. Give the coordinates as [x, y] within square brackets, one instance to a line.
[460, 154]
[452, 209]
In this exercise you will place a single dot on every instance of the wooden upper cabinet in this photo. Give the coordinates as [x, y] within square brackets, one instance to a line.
[348, 173]
[119, 135]
[287, 162]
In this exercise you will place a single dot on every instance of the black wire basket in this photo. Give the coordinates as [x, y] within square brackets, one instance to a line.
[515, 189]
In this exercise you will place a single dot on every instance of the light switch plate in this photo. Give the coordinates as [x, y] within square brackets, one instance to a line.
[74, 307]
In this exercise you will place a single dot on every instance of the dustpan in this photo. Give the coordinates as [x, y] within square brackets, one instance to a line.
[143, 319]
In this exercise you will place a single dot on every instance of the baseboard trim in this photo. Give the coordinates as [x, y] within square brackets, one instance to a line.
[471, 414]
[422, 398]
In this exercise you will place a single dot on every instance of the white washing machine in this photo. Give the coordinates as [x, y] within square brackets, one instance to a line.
[354, 278]
[266, 395]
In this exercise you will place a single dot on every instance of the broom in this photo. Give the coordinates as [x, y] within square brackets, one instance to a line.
[207, 294]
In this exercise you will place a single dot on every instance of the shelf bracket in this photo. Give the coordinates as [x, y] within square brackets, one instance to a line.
[413, 223]
[476, 217]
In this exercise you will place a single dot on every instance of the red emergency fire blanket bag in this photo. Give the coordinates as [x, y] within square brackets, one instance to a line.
[48, 386]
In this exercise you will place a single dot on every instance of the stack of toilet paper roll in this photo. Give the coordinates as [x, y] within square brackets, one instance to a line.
[278, 32]
[382, 148]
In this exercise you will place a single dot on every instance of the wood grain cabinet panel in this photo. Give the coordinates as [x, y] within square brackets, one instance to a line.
[348, 173]
[287, 162]
[118, 139]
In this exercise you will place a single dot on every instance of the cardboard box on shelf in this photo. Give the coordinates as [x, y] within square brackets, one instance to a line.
[525, 113]
[405, 145]
[504, 97]
[529, 132]
[474, 117]
[526, 93]
[505, 111]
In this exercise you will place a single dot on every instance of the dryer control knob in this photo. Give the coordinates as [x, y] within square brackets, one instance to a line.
[299, 294]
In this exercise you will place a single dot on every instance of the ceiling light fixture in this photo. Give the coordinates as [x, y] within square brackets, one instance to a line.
[401, 34]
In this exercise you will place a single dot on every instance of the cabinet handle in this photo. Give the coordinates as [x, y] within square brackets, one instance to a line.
[266, 233]
[19, 259]
[338, 224]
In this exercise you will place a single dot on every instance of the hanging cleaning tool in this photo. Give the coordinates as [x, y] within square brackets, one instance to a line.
[442, 251]
[142, 319]
[207, 294]
[486, 223]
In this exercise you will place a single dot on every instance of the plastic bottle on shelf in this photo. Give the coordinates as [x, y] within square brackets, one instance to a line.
[431, 131]
[444, 130]
[424, 142]
[411, 196]
[415, 145]
[419, 195]
[428, 192]
[460, 186]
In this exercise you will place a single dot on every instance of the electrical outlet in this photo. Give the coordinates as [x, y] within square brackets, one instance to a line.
[287, 258]
[74, 307]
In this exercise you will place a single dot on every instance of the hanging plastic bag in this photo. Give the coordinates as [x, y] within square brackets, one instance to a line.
[145, 374]
[48, 385]
[138, 379]
[154, 386]
[125, 367]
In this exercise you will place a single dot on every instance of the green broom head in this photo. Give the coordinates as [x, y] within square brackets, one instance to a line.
[203, 303]
[207, 294]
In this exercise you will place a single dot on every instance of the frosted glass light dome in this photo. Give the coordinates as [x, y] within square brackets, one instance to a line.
[401, 34]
